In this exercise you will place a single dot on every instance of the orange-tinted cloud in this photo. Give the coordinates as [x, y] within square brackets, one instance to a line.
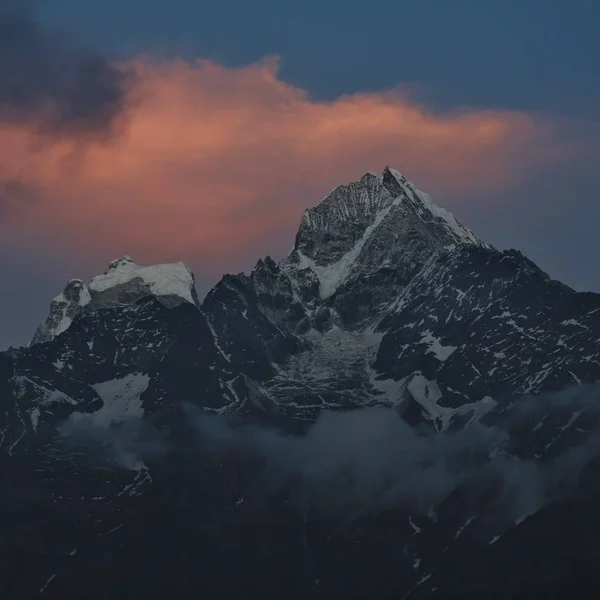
[215, 161]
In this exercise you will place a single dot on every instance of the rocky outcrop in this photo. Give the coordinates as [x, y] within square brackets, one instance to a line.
[63, 309]
[123, 283]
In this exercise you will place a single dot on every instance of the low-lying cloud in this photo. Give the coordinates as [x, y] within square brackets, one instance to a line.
[369, 459]
[347, 464]
[126, 444]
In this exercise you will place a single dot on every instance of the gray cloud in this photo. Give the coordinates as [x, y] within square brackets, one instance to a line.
[367, 459]
[51, 80]
[125, 444]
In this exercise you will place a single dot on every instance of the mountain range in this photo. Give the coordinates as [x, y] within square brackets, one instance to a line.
[394, 410]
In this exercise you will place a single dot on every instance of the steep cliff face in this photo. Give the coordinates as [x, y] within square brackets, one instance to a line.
[63, 309]
[385, 300]
[365, 241]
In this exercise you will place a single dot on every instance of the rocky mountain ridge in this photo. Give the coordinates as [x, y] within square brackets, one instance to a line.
[384, 301]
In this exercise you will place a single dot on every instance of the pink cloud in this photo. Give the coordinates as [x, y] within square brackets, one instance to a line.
[216, 164]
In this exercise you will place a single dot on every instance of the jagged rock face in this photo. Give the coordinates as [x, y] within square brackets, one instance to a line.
[385, 300]
[412, 308]
[144, 354]
[315, 310]
[365, 241]
[479, 322]
[384, 213]
[247, 330]
[63, 309]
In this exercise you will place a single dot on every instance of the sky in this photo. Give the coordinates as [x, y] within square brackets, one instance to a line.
[200, 131]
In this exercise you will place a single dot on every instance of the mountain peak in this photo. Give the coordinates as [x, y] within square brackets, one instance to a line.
[389, 171]
[120, 264]
[361, 203]
[163, 280]
[122, 283]
[376, 222]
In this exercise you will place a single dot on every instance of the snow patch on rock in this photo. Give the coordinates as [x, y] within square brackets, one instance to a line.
[428, 394]
[122, 401]
[460, 231]
[123, 283]
[436, 348]
[332, 276]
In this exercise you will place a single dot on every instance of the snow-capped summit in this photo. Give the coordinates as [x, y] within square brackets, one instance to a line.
[122, 283]
[172, 283]
[426, 204]
[379, 222]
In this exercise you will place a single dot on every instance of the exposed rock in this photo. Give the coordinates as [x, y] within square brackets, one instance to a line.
[123, 283]
[63, 309]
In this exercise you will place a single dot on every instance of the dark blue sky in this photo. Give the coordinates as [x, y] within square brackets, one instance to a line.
[529, 55]
[522, 54]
